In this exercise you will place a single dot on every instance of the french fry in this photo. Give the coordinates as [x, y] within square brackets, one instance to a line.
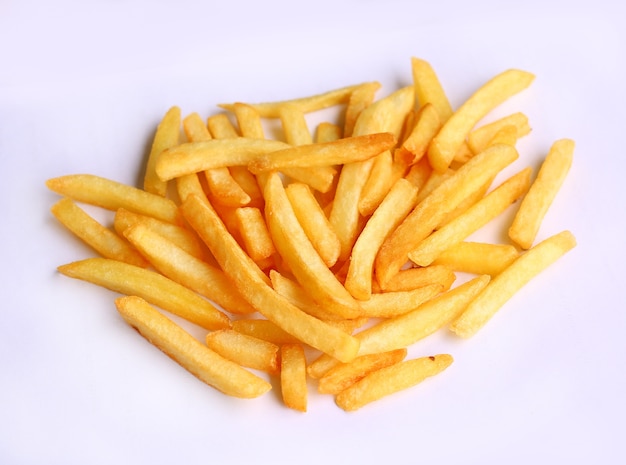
[245, 350]
[509, 281]
[251, 283]
[265, 330]
[360, 98]
[206, 365]
[255, 235]
[394, 208]
[452, 135]
[392, 304]
[249, 121]
[220, 127]
[150, 286]
[390, 380]
[104, 241]
[427, 124]
[295, 126]
[416, 277]
[477, 257]
[167, 135]
[345, 375]
[541, 194]
[472, 219]
[111, 195]
[327, 132]
[427, 215]
[479, 138]
[385, 172]
[293, 377]
[428, 89]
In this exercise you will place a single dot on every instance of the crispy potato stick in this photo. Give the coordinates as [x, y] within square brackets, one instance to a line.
[477, 257]
[336, 152]
[346, 374]
[298, 252]
[472, 219]
[255, 235]
[249, 184]
[149, 285]
[385, 172]
[305, 104]
[450, 138]
[427, 124]
[413, 278]
[216, 371]
[249, 121]
[361, 98]
[167, 135]
[193, 157]
[394, 208]
[479, 138]
[265, 330]
[91, 232]
[189, 184]
[247, 277]
[392, 304]
[511, 280]
[176, 264]
[327, 132]
[314, 222]
[419, 174]
[541, 194]
[293, 376]
[428, 89]
[245, 350]
[220, 127]
[390, 380]
[111, 195]
[295, 126]
[427, 215]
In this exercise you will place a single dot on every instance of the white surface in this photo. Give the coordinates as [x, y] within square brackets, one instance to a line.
[81, 89]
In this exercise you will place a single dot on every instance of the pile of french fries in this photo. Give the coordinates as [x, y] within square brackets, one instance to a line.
[319, 255]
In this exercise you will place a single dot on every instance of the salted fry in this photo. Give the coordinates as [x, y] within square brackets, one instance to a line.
[541, 194]
[511, 280]
[104, 241]
[479, 138]
[295, 126]
[477, 257]
[427, 124]
[167, 135]
[265, 330]
[224, 375]
[149, 285]
[245, 350]
[392, 304]
[361, 98]
[428, 88]
[293, 376]
[455, 130]
[390, 380]
[249, 121]
[385, 172]
[327, 132]
[416, 277]
[255, 235]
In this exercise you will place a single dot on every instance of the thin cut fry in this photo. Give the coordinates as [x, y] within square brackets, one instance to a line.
[167, 135]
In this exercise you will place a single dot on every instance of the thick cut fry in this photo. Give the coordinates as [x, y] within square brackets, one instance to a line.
[167, 135]
[245, 350]
[249, 121]
[149, 285]
[477, 257]
[511, 280]
[314, 222]
[91, 232]
[206, 365]
[541, 194]
[390, 380]
[254, 233]
[360, 99]
[452, 135]
[298, 252]
[394, 208]
[265, 330]
[295, 126]
[293, 376]
[220, 127]
[413, 278]
[427, 124]
[345, 375]
[427, 215]
[111, 195]
[472, 219]
[176, 264]
[428, 89]
[249, 280]
[479, 138]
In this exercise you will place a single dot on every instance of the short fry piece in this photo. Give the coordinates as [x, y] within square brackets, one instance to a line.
[428, 88]
[206, 365]
[253, 230]
[509, 281]
[477, 257]
[265, 330]
[293, 376]
[167, 135]
[479, 138]
[244, 350]
[390, 380]
[541, 194]
[427, 125]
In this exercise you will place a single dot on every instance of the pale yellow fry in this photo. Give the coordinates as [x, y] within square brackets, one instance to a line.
[265, 330]
[390, 380]
[327, 132]
[427, 124]
[221, 127]
[477, 257]
[248, 278]
[474, 218]
[314, 222]
[295, 126]
[428, 88]
[455, 130]
[361, 98]
[393, 209]
[216, 371]
[249, 121]
[510, 281]
[341, 151]
[187, 270]
[195, 129]
[479, 138]
[297, 251]
[149, 285]
[345, 375]
[427, 215]
[245, 350]
[413, 278]
[541, 194]
[254, 233]
[167, 135]
[111, 195]
[393, 304]
[305, 104]
[100, 238]
[293, 377]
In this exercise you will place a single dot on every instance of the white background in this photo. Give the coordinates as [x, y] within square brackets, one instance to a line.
[82, 86]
